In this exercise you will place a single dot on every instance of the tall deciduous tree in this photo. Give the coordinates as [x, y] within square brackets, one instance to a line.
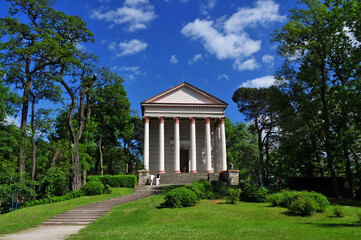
[41, 38]
[322, 45]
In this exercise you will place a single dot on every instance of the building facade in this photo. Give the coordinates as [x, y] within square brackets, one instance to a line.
[184, 131]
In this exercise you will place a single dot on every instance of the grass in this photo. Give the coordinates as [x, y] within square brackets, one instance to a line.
[31, 216]
[212, 219]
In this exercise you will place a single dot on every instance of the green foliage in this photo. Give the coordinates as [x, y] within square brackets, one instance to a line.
[304, 206]
[203, 189]
[338, 212]
[107, 189]
[128, 181]
[68, 196]
[180, 197]
[93, 187]
[254, 193]
[54, 183]
[217, 186]
[233, 195]
[5, 198]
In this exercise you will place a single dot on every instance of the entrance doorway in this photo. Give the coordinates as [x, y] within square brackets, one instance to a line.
[184, 161]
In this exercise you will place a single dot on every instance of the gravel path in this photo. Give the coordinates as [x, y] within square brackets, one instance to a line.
[70, 222]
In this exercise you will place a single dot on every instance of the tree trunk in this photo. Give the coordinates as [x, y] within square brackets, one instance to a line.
[55, 157]
[261, 162]
[33, 143]
[84, 176]
[101, 156]
[326, 128]
[267, 161]
[76, 173]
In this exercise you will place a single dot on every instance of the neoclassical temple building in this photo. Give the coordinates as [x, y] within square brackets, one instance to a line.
[184, 131]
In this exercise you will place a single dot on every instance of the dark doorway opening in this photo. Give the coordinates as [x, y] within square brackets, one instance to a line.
[184, 161]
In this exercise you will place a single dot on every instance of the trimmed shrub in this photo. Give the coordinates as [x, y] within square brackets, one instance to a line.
[180, 197]
[107, 189]
[127, 181]
[275, 199]
[304, 206]
[202, 188]
[233, 194]
[338, 212]
[254, 193]
[94, 187]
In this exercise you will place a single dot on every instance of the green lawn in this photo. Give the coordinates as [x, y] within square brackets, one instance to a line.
[211, 219]
[31, 216]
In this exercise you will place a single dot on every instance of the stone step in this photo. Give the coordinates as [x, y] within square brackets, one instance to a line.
[68, 223]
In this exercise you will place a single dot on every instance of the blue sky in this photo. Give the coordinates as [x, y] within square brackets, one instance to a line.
[214, 45]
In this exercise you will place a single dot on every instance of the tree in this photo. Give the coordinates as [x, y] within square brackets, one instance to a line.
[257, 107]
[82, 75]
[242, 150]
[322, 69]
[46, 38]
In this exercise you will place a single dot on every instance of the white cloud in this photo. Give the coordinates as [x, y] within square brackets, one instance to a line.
[268, 60]
[265, 11]
[228, 39]
[13, 120]
[196, 58]
[223, 76]
[128, 48]
[249, 64]
[135, 14]
[173, 59]
[207, 6]
[80, 47]
[262, 82]
[129, 72]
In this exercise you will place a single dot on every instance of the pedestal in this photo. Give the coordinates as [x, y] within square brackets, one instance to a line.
[230, 176]
[143, 176]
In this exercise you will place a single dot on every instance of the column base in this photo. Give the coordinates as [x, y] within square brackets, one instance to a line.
[161, 171]
[209, 171]
[193, 171]
[176, 171]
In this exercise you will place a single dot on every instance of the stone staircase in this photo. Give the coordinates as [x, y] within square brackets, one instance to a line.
[185, 178]
[86, 214]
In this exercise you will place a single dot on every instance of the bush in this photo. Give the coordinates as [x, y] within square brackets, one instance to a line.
[217, 186]
[180, 197]
[128, 181]
[233, 194]
[254, 193]
[304, 206]
[107, 189]
[275, 199]
[338, 212]
[54, 183]
[202, 188]
[94, 187]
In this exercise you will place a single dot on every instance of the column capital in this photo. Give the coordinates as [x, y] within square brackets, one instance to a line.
[208, 120]
[193, 120]
[161, 119]
[222, 119]
[146, 119]
[176, 119]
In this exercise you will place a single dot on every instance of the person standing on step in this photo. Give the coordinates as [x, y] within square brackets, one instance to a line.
[157, 180]
[151, 178]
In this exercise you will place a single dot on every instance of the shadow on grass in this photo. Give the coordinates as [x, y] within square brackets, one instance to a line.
[291, 214]
[335, 225]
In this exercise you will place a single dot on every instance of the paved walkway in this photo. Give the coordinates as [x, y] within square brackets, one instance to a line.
[70, 222]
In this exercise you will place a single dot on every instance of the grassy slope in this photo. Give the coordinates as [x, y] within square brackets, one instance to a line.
[213, 220]
[31, 216]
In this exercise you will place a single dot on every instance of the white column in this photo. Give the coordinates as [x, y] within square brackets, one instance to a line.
[223, 145]
[161, 145]
[146, 143]
[193, 145]
[176, 146]
[208, 145]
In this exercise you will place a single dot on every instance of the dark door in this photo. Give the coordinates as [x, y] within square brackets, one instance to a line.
[184, 161]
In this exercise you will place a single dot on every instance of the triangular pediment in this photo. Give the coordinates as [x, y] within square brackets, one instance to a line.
[185, 94]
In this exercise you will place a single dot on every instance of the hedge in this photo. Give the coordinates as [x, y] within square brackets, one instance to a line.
[128, 181]
[180, 197]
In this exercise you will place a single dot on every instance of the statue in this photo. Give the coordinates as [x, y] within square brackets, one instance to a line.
[231, 166]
